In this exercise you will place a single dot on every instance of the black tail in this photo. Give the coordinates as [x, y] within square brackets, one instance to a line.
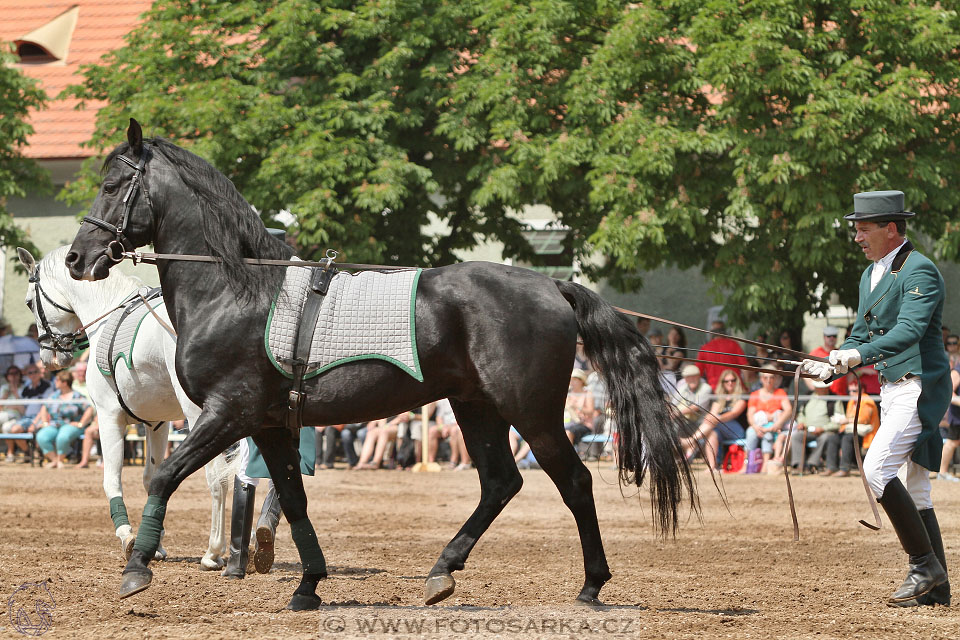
[648, 423]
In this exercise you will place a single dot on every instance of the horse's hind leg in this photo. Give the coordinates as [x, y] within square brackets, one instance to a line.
[283, 463]
[554, 454]
[485, 434]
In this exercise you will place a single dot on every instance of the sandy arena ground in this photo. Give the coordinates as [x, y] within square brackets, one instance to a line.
[736, 575]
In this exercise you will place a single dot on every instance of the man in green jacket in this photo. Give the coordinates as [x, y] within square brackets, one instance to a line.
[898, 331]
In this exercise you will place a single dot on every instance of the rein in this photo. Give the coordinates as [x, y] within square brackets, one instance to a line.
[138, 257]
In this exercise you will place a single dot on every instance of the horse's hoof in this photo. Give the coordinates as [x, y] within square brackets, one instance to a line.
[263, 556]
[160, 554]
[134, 582]
[300, 602]
[588, 601]
[438, 588]
[211, 563]
[127, 545]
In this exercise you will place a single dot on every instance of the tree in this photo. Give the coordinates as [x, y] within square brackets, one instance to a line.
[723, 134]
[18, 175]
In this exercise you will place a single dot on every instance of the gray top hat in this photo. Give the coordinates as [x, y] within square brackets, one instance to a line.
[878, 205]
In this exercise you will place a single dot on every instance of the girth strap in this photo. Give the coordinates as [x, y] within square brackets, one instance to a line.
[319, 285]
[128, 309]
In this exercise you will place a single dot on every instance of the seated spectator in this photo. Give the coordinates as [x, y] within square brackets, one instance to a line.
[719, 349]
[11, 413]
[522, 454]
[328, 435]
[60, 425]
[768, 411]
[953, 349]
[446, 427]
[817, 422]
[855, 429]
[693, 398]
[380, 434]
[91, 434]
[578, 412]
[676, 348]
[724, 420]
[950, 429]
[580, 359]
[35, 389]
[350, 434]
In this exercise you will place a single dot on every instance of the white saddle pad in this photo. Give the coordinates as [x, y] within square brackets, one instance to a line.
[120, 332]
[368, 315]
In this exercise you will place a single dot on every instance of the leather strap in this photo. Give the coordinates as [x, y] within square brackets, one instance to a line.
[151, 258]
[319, 284]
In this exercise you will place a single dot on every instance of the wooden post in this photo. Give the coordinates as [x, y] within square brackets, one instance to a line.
[423, 465]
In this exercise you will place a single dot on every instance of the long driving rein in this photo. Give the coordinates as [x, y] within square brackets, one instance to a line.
[121, 248]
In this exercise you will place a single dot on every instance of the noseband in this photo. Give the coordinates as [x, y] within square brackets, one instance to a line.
[116, 247]
[60, 342]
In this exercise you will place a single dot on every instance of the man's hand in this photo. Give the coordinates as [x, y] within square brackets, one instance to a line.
[843, 359]
[822, 370]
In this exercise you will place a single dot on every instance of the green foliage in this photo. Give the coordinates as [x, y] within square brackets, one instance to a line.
[726, 134]
[18, 175]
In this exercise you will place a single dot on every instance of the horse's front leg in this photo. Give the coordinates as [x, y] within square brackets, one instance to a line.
[217, 471]
[155, 450]
[112, 427]
[283, 463]
[214, 431]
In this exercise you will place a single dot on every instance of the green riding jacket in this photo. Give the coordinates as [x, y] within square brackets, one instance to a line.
[898, 331]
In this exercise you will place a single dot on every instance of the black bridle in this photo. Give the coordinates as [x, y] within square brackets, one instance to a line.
[60, 342]
[117, 247]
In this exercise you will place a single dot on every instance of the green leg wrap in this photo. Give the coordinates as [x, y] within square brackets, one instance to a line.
[118, 512]
[309, 548]
[148, 535]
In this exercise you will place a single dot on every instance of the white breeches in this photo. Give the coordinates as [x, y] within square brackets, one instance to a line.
[894, 443]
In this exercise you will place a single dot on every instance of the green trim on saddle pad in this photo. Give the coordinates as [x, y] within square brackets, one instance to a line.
[126, 354]
[311, 373]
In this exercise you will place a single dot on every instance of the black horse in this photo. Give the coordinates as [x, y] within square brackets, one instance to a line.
[497, 340]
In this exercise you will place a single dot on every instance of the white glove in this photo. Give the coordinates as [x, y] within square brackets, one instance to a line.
[822, 370]
[843, 359]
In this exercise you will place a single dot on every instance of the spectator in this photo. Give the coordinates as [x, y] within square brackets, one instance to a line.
[768, 410]
[33, 332]
[951, 432]
[60, 425]
[448, 428]
[953, 349]
[35, 389]
[12, 389]
[816, 423]
[786, 343]
[864, 425]
[944, 331]
[723, 422]
[329, 436]
[643, 326]
[580, 359]
[722, 349]
[415, 425]
[380, 433]
[578, 412]
[522, 454]
[693, 398]
[676, 348]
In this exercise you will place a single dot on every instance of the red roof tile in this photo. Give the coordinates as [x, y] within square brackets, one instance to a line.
[101, 25]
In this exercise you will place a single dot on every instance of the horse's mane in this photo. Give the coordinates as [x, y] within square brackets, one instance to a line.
[109, 292]
[232, 230]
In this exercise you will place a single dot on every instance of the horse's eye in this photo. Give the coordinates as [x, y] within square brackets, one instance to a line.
[110, 187]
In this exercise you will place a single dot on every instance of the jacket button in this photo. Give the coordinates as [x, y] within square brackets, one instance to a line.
[881, 331]
[870, 334]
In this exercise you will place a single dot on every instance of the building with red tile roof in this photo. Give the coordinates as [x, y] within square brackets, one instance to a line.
[52, 39]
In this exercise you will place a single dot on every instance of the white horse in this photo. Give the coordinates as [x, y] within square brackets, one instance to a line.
[61, 306]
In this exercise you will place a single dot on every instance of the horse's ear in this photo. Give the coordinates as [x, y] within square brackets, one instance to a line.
[135, 137]
[26, 259]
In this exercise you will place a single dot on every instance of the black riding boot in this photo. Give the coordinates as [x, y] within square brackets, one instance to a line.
[241, 521]
[941, 593]
[925, 570]
[267, 531]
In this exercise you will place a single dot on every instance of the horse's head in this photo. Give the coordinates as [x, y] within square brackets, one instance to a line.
[60, 328]
[121, 218]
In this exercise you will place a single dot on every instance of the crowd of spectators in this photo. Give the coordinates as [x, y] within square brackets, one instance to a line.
[723, 405]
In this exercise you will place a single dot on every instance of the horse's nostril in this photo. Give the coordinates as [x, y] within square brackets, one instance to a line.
[72, 258]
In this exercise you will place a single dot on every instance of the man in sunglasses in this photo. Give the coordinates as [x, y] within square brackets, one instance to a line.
[898, 331]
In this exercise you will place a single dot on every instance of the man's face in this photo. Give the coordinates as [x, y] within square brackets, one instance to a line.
[830, 342]
[693, 380]
[874, 238]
